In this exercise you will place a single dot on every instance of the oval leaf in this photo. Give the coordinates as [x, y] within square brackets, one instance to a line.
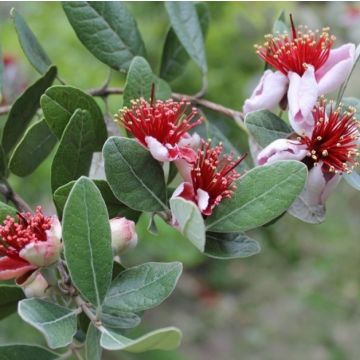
[24, 109]
[190, 221]
[174, 56]
[87, 241]
[30, 45]
[32, 149]
[113, 319]
[93, 349]
[134, 176]
[107, 30]
[262, 194]
[59, 104]
[230, 246]
[74, 154]
[57, 323]
[266, 127]
[143, 287]
[9, 297]
[185, 22]
[28, 352]
[163, 339]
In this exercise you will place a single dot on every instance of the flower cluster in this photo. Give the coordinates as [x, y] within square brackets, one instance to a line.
[163, 128]
[307, 67]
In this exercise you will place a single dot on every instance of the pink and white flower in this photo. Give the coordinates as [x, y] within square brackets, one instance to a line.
[210, 178]
[329, 151]
[162, 127]
[123, 235]
[307, 67]
[28, 243]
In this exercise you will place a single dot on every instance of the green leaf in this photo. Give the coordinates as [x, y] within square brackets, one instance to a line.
[114, 319]
[230, 246]
[87, 241]
[143, 287]
[114, 206]
[33, 149]
[30, 45]
[266, 127]
[185, 22]
[163, 339]
[107, 30]
[174, 56]
[24, 109]
[190, 221]
[57, 323]
[139, 82]
[93, 349]
[9, 297]
[59, 104]
[74, 154]
[28, 352]
[262, 194]
[6, 210]
[280, 25]
[144, 188]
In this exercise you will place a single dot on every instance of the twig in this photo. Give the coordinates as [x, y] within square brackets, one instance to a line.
[104, 92]
[10, 195]
[4, 109]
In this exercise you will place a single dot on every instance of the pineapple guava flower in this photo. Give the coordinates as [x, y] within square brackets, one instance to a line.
[28, 243]
[307, 67]
[123, 235]
[162, 127]
[210, 178]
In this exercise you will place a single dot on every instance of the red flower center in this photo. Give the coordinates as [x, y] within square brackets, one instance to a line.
[294, 53]
[28, 228]
[214, 173]
[334, 139]
[166, 121]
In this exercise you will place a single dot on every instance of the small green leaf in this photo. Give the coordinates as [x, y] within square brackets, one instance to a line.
[6, 210]
[143, 287]
[114, 206]
[24, 109]
[107, 30]
[261, 195]
[28, 352]
[74, 154]
[190, 221]
[280, 26]
[87, 241]
[185, 22]
[59, 104]
[162, 339]
[266, 127]
[230, 246]
[9, 297]
[144, 188]
[56, 323]
[175, 57]
[30, 45]
[114, 319]
[33, 149]
[93, 349]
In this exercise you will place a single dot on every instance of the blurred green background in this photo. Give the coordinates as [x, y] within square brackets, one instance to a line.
[299, 298]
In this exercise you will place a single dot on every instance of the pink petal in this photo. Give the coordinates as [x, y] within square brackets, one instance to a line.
[202, 199]
[184, 169]
[269, 92]
[336, 69]
[188, 154]
[157, 150]
[193, 141]
[282, 149]
[13, 268]
[302, 96]
[184, 190]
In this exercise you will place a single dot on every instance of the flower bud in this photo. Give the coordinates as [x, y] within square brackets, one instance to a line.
[123, 234]
[35, 285]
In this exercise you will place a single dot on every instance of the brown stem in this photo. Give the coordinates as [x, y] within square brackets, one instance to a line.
[10, 195]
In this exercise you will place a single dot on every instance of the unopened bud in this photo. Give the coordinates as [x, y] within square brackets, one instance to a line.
[123, 235]
[35, 286]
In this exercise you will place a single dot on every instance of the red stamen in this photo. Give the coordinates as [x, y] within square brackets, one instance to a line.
[304, 48]
[334, 139]
[165, 121]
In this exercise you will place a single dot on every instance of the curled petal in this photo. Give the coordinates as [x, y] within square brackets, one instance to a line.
[184, 190]
[336, 69]
[193, 141]
[203, 200]
[269, 92]
[35, 285]
[157, 150]
[302, 96]
[13, 268]
[282, 149]
[123, 234]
